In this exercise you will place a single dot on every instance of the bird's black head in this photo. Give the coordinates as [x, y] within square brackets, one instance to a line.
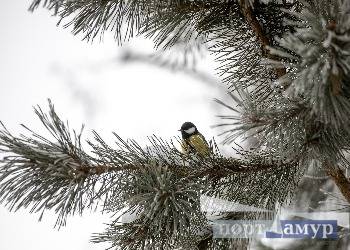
[188, 129]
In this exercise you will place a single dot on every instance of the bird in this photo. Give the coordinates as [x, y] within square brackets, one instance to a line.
[193, 142]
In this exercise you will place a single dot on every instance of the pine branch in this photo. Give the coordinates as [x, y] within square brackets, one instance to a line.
[311, 17]
[47, 175]
[166, 21]
[259, 33]
[240, 46]
[311, 137]
[158, 181]
[324, 41]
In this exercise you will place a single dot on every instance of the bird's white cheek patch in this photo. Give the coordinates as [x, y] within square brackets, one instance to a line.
[190, 130]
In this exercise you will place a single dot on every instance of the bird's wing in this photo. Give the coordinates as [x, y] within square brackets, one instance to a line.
[199, 143]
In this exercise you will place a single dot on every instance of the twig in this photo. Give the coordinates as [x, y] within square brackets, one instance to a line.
[259, 32]
[340, 180]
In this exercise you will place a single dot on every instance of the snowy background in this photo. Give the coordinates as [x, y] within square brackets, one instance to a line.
[90, 84]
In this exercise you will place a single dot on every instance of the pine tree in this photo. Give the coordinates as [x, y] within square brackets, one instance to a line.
[286, 65]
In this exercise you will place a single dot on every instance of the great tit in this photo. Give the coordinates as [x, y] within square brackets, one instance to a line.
[193, 142]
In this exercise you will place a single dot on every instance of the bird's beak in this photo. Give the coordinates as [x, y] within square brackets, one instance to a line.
[180, 130]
